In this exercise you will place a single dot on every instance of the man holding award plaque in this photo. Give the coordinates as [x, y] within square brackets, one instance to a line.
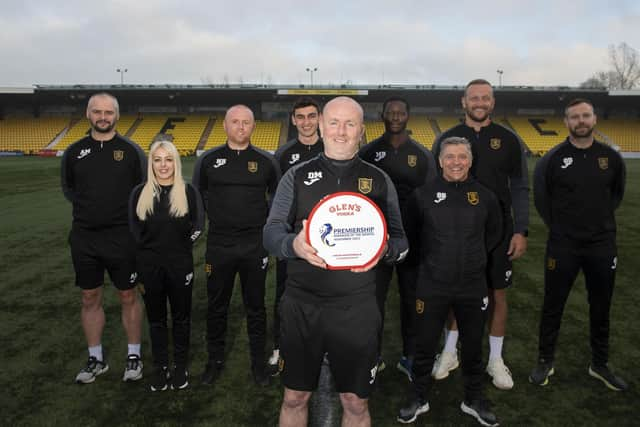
[333, 218]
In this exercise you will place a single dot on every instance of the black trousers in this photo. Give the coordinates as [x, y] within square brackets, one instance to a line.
[561, 269]
[431, 314]
[222, 265]
[407, 278]
[281, 278]
[175, 284]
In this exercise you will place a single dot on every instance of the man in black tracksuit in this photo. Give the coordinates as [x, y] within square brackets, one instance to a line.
[98, 173]
[499, 163]
[456, 222]
[234, 180]
[307, 145]
[329, 311]
[578, 185]
[409, 165]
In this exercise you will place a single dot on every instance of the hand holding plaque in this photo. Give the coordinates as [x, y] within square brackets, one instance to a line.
[347, 230]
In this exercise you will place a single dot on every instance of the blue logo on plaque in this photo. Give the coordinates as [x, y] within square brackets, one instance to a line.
[325, 230]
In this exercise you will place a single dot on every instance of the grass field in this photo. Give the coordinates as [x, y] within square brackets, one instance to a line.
[42, 343]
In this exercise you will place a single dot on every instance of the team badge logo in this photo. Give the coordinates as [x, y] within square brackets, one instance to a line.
[603, 162]
[280, 364]
[252, 167]
[365, 185]
[118, 155]
[551, 264]
[141, 288]
[495, 143]
[473, 198]
[412, 160]
[419, 306]
[208, 269]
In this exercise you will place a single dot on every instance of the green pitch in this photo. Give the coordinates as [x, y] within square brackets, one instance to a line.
[43, 348]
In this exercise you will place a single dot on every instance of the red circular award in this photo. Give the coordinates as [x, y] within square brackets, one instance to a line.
[347, 229]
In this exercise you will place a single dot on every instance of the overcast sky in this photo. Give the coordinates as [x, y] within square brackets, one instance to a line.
[444, 42]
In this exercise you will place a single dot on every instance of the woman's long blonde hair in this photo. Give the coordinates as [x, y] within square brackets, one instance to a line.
[178, 204]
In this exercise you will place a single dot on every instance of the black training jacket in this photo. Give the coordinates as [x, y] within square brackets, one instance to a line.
[455, 225]
[576, 192]
[499, 163]
[234, 186]
[164, 239]
[299, 191]
[295, 152]
[97, 178]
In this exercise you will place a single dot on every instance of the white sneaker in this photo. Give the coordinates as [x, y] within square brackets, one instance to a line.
[500, 373]
[445, 362]
[133, 370]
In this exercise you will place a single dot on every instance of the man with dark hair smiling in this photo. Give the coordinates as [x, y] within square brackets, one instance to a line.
[578, 185]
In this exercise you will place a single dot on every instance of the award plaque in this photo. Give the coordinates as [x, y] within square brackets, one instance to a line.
[347, 229]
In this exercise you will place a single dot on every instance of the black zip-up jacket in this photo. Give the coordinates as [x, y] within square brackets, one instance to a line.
[409, 166]
[576, 192]
[499, 163]
[295, 152]
[299, 191]
[455, 225]
[97, 178]
[234, 185]
[163, 239]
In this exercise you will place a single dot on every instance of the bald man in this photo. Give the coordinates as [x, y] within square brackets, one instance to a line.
[234, 180]
[98, 173]
[330, 311]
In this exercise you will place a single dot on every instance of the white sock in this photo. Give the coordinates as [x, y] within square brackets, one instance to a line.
[452, 340]
[96, 351]
[495, 347]
[134, 349]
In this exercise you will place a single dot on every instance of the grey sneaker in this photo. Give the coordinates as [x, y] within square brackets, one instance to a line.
[133, 369]
[479, 409]
[89, 373]
[413, 408]
[611, 380]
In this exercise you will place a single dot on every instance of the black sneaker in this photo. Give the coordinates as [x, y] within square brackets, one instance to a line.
[414, 407]
[479, 409]
[261, 377]
[211, 372]
[611, 380]
[89, 373]
[160, 378]
[180, 379]
[541, 373]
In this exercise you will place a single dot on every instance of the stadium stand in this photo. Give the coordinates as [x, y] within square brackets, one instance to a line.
[444, 123]
[625, 133]
[539, 133]
[30, 135]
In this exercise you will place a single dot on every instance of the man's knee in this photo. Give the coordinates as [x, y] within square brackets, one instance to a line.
[296, 400]
[129, 297]
[91, 299]
[354, 405]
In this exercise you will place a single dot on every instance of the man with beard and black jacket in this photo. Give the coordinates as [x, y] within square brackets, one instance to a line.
[98, 173]
[234, 180]
[499, 163]
[409, 165]
[456, 222]
[578, 185]
[305, 117]
[330, 311]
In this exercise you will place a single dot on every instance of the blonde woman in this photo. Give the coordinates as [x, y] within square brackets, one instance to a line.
[166, 217]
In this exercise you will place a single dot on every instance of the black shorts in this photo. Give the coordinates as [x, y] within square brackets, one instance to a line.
[347, 333]
[93, 252]
[499, 266]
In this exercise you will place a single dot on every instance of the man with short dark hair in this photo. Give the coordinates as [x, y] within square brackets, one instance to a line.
[578, 185]
[330, 311]
[305, 116]
[409, 165]
[98, 173]
[234, 180]
[499, 162]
